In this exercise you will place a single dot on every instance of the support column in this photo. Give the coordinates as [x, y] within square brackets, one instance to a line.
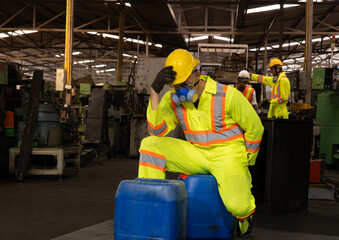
[263, 87]
[34, 12]
[308, 50]
[281, 34]
[147, 46]
[121, 42]
[69, 48]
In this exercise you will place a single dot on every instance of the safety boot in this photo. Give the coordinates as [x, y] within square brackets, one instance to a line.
[245, 227]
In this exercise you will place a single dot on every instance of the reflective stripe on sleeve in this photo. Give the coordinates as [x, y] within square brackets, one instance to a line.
[158, 130]
[260, 77]
[252, 145]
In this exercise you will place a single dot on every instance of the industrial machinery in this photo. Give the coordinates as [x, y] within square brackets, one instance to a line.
[226, 60]
[45, 141]
[9, 99]
[327, 115]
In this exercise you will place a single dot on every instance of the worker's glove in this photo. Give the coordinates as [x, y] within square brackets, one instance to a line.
[165, 76]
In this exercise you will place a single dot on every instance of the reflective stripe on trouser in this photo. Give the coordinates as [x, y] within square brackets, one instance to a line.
[228, 164]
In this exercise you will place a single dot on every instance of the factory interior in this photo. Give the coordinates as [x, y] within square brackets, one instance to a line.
[75, 85]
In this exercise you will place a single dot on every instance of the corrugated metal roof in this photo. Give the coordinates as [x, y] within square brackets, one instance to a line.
[167, 23]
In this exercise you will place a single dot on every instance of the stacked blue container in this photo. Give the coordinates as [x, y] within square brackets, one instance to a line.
[150, 209]
[207, 217]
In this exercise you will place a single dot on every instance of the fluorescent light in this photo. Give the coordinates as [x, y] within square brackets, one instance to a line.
[12, 33]
[126, 39]
[261, 49]
[196, 38]
[84, 61]
[3, 35]
[62, 54]
[99, 66]
[270, 8]
[223, 38]
[313, 1]
[126, 3]
[110, 35]
[128, 55]
[105, 70]
[28, 31]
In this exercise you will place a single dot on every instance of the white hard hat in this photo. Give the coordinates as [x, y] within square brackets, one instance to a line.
[244, 74]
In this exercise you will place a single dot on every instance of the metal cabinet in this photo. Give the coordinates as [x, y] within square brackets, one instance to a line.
[280, 175]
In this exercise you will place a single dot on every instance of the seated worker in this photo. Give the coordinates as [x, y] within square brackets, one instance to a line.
[280, 89]
[213, 117]
[247, 91]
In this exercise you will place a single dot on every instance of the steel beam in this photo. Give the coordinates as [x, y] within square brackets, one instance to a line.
[95, 20]
[50, 20]
[15, 14]
[121, 42]
[216, 33]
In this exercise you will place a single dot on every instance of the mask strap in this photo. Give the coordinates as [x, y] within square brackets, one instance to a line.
[195, 84]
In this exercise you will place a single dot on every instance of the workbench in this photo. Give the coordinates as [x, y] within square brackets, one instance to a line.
[58, 161]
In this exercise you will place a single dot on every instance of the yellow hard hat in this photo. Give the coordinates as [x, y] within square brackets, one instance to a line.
[275, 62]
[183, 64]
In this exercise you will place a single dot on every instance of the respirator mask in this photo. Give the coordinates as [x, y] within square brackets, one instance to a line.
[185, 94]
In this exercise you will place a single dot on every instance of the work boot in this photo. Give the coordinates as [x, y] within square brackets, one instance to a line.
[245, 227]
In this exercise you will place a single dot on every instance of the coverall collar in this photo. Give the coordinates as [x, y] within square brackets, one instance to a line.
[211, 85]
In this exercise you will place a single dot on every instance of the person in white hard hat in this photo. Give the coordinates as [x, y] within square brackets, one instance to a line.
[247, 91]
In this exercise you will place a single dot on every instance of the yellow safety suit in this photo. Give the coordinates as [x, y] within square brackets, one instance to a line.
[280, 93]
[216, 143]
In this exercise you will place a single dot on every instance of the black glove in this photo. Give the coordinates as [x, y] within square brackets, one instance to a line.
[165, 76]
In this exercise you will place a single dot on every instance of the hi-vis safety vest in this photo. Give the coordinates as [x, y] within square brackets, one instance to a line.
[219, 120]
[248, 93]
[280, 93]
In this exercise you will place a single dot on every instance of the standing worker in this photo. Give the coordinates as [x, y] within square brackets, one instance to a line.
[280, 89]
[212, 116]
[247, 91]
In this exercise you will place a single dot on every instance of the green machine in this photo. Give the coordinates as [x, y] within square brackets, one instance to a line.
[327, 115]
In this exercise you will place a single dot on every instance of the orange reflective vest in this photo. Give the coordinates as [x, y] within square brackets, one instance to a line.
[220, 119]
[248, 93]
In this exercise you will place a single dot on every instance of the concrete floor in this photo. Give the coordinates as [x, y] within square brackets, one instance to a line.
[82, 207]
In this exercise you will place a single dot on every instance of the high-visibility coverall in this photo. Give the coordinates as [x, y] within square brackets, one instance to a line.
[280, 93]
[215, 142]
